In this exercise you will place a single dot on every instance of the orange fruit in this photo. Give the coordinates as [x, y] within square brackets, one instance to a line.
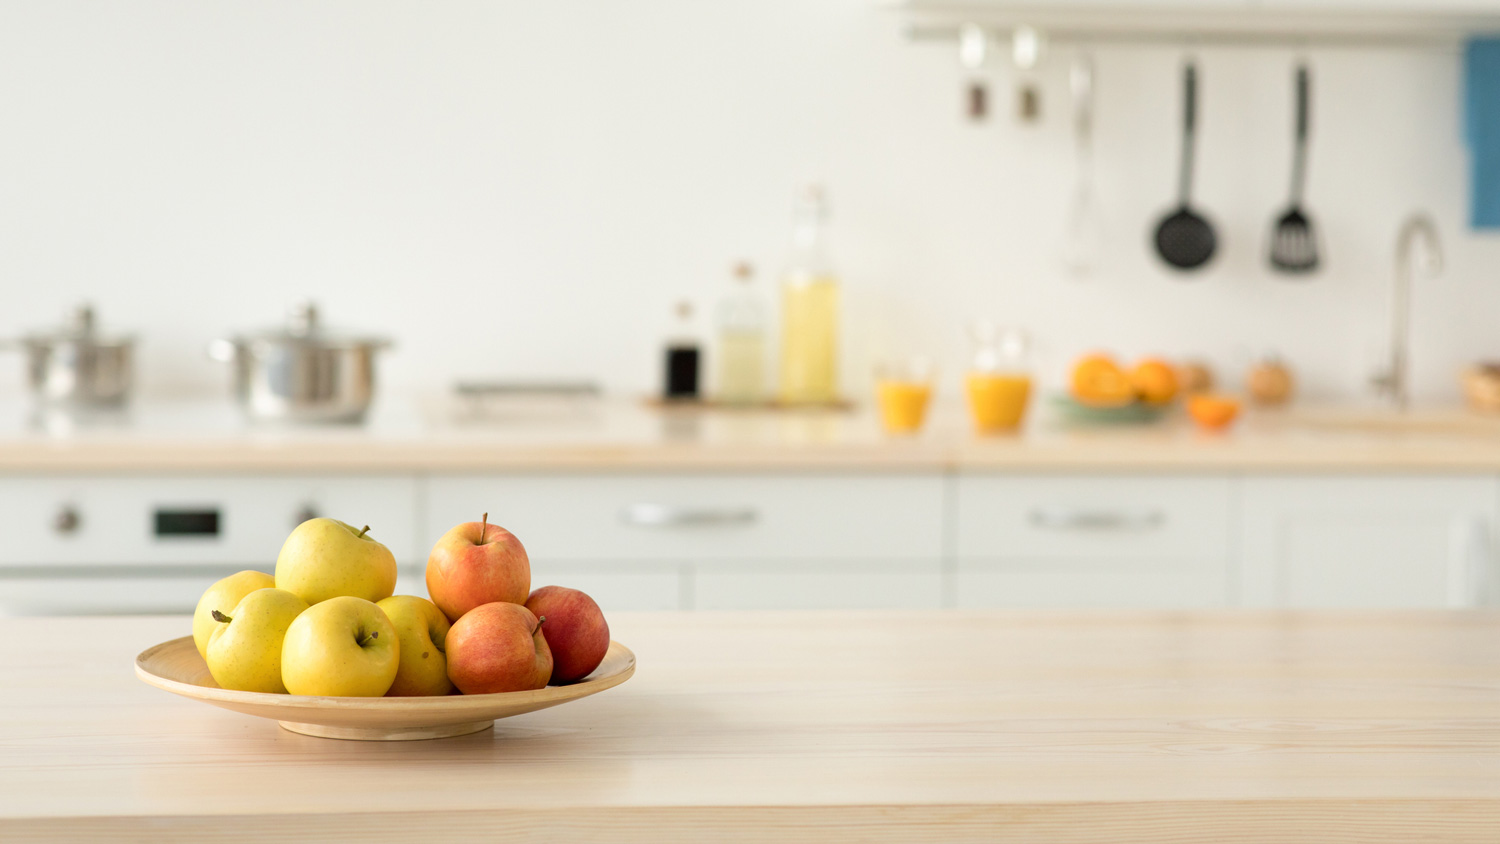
[1100, 382]
[1270, 383]
[1154, 381]
[1195, 377]
[1212, 412]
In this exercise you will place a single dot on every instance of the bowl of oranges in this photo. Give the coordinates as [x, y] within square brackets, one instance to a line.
[1102, 390]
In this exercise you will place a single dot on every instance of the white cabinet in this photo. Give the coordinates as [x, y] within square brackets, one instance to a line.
[620, 585]
[1092, 541]
[693, 517]
[191, 520]
[152, 544]
[818, 585]
[1384, 541]
[722, 541]
[655, 541]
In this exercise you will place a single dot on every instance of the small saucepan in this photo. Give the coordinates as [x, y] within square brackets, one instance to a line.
[76, 367]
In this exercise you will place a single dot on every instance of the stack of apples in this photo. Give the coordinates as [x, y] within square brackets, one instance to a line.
[327, 622]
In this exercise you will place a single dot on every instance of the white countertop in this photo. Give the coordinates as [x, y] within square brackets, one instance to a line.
[628, 434]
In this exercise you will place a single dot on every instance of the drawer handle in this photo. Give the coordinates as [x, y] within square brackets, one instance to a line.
[668, 516]
[1064, 519]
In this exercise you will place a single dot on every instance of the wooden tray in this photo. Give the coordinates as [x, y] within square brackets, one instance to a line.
[177, 667]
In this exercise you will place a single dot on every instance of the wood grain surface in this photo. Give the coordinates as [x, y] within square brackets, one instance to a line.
[1077, 727]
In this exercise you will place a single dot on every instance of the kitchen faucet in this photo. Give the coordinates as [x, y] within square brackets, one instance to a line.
[1417, 250]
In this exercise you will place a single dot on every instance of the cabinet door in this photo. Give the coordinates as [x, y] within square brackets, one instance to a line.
[818, 585]
[1381, 541]
[1092, 541]
[694, 517]
[619, 586]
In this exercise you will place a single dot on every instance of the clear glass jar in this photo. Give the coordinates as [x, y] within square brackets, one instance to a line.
[742, 342]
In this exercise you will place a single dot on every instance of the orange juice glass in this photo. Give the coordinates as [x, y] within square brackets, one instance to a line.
[997, 400]
[903, 392]
[998, 385]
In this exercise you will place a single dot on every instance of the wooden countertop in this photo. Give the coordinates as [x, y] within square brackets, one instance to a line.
[630, 436]
[899, 727]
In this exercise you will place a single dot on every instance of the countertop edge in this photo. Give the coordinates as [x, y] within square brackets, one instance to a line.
[1263, 820]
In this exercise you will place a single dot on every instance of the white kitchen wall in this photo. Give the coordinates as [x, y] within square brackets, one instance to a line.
[524, 188]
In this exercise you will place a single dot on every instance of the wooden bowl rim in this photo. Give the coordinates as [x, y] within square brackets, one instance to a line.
[436, 703]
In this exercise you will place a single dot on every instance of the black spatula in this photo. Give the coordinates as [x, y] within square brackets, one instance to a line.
[1184, 238]
[1294, 241]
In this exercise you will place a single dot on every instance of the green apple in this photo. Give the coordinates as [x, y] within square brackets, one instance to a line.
[223, 596]
[244, 650]
[325, 558]
[422, 630]
[342, 647]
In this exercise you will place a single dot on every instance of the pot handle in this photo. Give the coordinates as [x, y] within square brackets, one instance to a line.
[223, 351]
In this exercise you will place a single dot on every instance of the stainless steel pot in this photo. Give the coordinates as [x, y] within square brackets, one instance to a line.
[302, 373]
[76, 367]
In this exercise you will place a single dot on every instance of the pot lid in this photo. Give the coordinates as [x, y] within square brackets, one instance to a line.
[81, 327]
[304, 325]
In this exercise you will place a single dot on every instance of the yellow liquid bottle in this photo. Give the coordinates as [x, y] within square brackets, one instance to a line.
[809, 341]
[809, 310]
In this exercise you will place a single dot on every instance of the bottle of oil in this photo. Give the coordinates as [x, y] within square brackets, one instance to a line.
[809, 309]
[742, 342]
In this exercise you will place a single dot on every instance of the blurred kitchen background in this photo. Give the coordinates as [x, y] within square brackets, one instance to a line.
[524, 190]
[482, 197]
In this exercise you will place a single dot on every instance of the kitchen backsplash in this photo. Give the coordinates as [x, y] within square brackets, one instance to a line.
[524, 189]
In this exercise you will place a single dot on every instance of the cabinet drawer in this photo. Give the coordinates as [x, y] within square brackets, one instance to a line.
[817, 586]
[1076, 584]
[191, 520]
[619, 587]
[1092, 518]
[1394, 541]
[701, 517]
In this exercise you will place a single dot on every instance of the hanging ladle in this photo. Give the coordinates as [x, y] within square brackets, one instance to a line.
[1184, 238]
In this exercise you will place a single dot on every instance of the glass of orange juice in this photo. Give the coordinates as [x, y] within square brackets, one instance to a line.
[998, 383]
[903, 390]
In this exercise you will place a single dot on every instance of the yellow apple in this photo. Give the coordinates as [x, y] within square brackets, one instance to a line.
[325, 558]
[244, 650]
[223, 596]
[342, 647]
[422, 629]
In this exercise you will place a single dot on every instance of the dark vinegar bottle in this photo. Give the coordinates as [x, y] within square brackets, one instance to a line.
[682, 375]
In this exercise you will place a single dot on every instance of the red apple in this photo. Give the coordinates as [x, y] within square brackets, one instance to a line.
[498, 648]
[477, 563]
[576, 631]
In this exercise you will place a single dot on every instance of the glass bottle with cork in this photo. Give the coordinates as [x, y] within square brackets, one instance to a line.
[809, 309]
[682, 358]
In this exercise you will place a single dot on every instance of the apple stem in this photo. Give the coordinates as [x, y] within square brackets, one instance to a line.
[221, 618]
[362, 532]
[484, 527]
[539, 622]
[374, 634]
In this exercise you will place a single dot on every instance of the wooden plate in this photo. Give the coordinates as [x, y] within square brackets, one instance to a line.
[177, 667]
